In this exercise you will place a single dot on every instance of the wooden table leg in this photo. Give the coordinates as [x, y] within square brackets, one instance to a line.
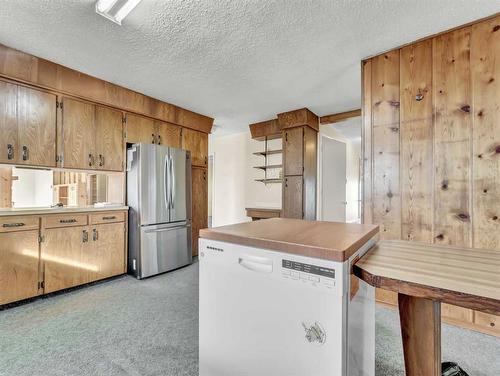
[421, 332]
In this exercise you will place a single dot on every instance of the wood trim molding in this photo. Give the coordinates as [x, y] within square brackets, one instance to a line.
[41, 73]
[298, 118]
[268, 128]
[341, 116]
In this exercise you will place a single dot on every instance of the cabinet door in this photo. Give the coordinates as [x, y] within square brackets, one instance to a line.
[168, 134]
[78, 134]
[109, 139]
[64, 259]
[292, 197]
[293, 151]
[19, 260]
[9, 146]
[36, 122]
[140, 129]
[108, 243]
[199, 204]
[197, 143]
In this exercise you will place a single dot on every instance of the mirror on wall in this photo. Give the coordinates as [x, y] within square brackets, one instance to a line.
[34, 188]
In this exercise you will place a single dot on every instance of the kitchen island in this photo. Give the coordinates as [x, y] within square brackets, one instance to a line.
[277, 297]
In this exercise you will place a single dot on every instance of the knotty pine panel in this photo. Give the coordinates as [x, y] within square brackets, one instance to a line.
[452, 136]
[416, 135]
[385, 120]
[485, 65]
[366, 130]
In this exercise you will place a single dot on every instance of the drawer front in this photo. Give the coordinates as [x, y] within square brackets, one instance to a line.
[108, 217]
[66, 220]
[11, 223]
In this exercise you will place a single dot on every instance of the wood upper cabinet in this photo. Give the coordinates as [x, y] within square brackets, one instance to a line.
[92, 136]
[293, 151]
[197, 143]
[168, 134]
[9, 145]
[78, 134]
[27, 126]
[19, 260]
[108, 249]
[140, 129]
[293, 197]
[109, 149]
[199, 204]
[36, 122]
[65, 259]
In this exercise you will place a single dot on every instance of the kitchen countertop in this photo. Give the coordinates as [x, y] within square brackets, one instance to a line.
[461, 276]
[58, 210]
[333, 241]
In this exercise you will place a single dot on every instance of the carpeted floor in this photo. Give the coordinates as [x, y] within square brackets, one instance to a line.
[150, 327]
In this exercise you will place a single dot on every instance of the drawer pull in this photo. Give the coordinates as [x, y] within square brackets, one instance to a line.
[108, 218]
[13, 224]
[85, 236]
[101, 160]
[67, 220]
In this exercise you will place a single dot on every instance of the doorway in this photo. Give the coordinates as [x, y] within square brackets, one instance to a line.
[333, 180]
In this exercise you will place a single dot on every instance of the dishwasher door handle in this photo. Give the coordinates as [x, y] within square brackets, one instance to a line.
[256, 264]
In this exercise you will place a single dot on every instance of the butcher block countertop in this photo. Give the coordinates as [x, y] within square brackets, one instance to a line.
[325, 240]
[465, 277]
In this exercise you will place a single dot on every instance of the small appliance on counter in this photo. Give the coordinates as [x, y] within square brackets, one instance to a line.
[159, 200]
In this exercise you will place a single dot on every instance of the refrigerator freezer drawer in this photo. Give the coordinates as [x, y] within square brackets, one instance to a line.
[164, 248]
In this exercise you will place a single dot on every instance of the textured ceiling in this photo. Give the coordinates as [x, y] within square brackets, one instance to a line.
[239, 61]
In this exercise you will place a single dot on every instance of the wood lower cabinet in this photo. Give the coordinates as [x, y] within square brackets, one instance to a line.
[140, 129]
[197, 143]
[199, 204]
[65, 259]
[293, 197]
[19, 263]
[108, 248]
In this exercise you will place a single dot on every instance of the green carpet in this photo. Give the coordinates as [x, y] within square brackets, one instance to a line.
[150, 327]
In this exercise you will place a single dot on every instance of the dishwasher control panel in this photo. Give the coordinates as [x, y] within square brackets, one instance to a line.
[314, 274]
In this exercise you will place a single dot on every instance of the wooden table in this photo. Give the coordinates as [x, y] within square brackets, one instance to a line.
[424, 276]
[263, 213]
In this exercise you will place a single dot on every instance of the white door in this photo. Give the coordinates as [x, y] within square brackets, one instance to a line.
[333, 180]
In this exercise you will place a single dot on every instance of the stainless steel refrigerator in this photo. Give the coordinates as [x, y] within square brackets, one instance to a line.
[159, 200]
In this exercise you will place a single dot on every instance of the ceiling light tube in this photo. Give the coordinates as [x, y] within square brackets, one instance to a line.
[115, 10]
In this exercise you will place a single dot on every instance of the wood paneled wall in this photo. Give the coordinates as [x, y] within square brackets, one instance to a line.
[431, 145]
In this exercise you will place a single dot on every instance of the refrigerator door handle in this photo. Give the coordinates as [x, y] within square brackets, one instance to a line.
[162, 229]
[172, 186]
[166, 186]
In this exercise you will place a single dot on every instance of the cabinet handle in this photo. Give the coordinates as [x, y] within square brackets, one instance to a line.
[90, 160]
[85, 236]
[26, 155]
[72, 220]
[153, 138]
[95, 235]
[206, 161]
[159, 139]
[101, 160]
[20, 224]
[10, 151]
[108, 218]
[286, 136]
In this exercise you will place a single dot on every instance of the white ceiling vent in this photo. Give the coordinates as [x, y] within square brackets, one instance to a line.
[115, 10]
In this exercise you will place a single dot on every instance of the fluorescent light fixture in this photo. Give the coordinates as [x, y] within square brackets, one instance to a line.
[115, 10]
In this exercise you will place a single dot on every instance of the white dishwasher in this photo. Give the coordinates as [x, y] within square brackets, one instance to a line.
[269, 313]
